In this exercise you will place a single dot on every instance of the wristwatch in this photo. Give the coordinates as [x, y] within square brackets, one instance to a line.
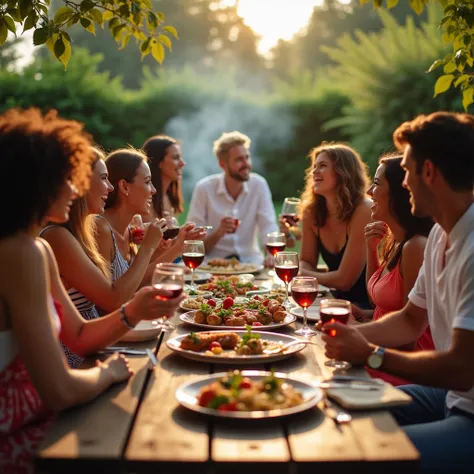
[375, 360]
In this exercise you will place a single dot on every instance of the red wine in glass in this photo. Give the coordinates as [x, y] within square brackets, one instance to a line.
[193, 260]
[171, 233]
[236, 223]
[276, 247]
[290, 219]
[340, 315]
[168, 291]
[286, 273]
[304, 297]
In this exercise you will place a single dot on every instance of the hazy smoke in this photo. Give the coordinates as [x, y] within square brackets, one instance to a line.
[197, 133]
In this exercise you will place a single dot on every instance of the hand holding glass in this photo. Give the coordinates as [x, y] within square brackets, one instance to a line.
[304, 291]
[168, 279]
[137, 229]
[332, 310]
[289, 211]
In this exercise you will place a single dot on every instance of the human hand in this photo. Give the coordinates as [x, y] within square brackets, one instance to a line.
[345, 342]
[227, 226]
[117, 367]
[374, 233]
[154, 234]
[269, 261]
[189, 231]
[147, 304]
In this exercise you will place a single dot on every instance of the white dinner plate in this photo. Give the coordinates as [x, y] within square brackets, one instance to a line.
[143, 331]
[249, 268]
[188, 393]
[313, 312]
[189, 319]
[230, 356]
[199, 277]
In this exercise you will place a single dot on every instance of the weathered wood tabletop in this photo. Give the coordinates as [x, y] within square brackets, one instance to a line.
[140, 427]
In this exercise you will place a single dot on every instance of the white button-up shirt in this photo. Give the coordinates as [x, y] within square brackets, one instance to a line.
[253, 206]
[447, 293]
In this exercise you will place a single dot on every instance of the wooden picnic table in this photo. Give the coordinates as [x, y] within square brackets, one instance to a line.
[140, 427]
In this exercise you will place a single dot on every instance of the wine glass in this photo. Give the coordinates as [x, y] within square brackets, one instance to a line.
[332, 310]
[234, 215]
[276, 242]
[289, 211]
[286, 268]
[137, 228]
[304, 290]
[172, 228]
[193, 256]
[168, 279]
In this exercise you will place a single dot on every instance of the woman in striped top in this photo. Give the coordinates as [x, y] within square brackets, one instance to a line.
[86, 274]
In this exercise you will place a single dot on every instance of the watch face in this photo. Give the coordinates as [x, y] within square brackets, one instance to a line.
[374, 361]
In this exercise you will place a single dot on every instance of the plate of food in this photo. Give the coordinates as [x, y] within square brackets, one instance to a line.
[223, 266]
[143, 331]
[266, 313]
[248, 394]
[221, 287]
[230, 347]
[199, 277]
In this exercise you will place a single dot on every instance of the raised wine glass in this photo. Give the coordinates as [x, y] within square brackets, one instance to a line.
[233, 213]
[289, 211]
[332, 310]
[286, 268]
[137, 229]
[304, 290]
[172, 228]
[168, 279]
[193, 256]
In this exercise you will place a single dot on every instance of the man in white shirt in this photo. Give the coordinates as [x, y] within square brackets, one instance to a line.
[236, 203]
[439, 164]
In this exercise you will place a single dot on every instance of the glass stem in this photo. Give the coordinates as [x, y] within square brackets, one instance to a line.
[192, 277]
[305, 318]
[287, 300]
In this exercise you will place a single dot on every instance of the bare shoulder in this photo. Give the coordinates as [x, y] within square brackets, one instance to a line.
[414, 247]
[57, 235]
[362, 214]
[102, 226]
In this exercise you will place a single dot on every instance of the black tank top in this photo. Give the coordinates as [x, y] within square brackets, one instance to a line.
[358, 293]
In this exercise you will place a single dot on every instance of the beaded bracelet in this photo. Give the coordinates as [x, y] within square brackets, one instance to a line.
[124, 319]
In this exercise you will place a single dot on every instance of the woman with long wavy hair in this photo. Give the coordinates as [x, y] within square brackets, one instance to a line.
[335, 211]
[86, 274]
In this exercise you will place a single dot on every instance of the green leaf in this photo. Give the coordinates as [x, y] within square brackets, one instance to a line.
[417, 5]
[117, 30]
[86, 5]
[3, 31]
[436, 64]
[40, 36]
[63, 14]
[125, 41]
[165, 40]
[88, 25]
[460, 79]
[158, 52]
[108, 15]
[145, 47]
[10, 24]
[443, 84]
[391, 3]
[97, 16]
[15, 14]
[30, 22]
[467, 97]
[161, 16]
[59, 47]
[26, 6]
[449, 68]
[172, 30]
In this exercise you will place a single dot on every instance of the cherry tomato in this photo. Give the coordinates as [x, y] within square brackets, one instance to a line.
[212, 303]
[257, 323]
[228, 407]
[214, 344]
[245, 384]
[265, 302]
[206, 397]
[228, 303]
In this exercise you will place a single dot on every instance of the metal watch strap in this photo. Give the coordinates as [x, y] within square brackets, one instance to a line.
[124, 319]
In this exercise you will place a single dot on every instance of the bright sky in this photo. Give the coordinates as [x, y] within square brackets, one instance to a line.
[275, 19]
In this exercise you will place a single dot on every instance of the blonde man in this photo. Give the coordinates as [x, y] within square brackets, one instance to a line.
[236, 203]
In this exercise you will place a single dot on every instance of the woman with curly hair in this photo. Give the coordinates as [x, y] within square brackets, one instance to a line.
[84, 271]
[52, 158]
[335, 211]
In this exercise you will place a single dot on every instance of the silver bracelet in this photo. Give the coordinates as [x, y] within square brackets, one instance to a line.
[124, 319]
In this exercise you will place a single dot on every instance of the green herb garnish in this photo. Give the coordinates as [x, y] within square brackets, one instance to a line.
[193, 293]
[248, 336]
[205, 308]
[216, 402]
[194, 337]
[271, 383]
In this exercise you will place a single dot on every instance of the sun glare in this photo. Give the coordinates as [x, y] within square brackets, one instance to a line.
[274, 20]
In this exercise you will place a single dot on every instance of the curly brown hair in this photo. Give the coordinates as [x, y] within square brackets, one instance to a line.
[446, 139]
[38, 154]
[352, 183]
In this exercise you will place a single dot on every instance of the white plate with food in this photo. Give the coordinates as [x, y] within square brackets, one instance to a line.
[143, 331]
[231, 347]
[222, 266]
[189, 318]
[248, 394]
[312, 312]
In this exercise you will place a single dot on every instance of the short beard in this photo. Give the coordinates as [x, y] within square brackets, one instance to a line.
[238, 177]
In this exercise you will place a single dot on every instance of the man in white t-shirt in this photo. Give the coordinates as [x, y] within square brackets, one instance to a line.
[237, 203]
[439, 164]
